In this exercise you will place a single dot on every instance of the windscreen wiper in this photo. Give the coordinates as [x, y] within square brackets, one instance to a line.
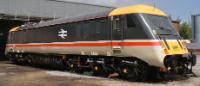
[167, 31]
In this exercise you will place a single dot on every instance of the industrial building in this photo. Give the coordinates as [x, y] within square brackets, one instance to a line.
[195, 45]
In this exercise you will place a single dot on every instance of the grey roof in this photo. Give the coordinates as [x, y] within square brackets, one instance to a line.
[74, 19]
[29, 10]
[65, 1]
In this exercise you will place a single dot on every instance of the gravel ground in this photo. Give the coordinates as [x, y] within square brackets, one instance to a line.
[15, 75]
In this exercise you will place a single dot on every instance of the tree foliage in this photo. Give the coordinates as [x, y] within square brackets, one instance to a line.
[185, 30]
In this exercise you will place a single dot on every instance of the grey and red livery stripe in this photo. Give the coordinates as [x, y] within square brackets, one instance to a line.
[87, 44]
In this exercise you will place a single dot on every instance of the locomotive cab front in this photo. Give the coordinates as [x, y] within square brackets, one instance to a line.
[164, 32]
[177, 57]
[151, 25]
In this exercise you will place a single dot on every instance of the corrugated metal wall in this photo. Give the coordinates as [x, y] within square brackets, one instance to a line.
[47, 8]
[196, 28]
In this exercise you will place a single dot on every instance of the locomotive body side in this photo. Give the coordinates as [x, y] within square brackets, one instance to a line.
[79, 39]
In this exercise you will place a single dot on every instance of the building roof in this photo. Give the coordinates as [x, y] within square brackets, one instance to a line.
[74, 2]
[109, 12]
[74, 19]
[36, 10]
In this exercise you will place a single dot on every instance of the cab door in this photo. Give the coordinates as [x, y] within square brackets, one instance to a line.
[117, 35]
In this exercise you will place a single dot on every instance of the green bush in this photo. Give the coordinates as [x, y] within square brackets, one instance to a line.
[185, 30]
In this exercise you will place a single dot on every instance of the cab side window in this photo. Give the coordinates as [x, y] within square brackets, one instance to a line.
[130, 22]
[134, 29]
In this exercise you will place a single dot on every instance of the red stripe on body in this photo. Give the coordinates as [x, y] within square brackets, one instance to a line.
[89, 44]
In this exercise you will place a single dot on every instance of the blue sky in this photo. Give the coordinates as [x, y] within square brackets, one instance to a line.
[182, 9]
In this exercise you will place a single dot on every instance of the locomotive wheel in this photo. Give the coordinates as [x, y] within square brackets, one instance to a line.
[18, 59]
[99, 70]
[12, 58]
[71, 67]
[134, 72]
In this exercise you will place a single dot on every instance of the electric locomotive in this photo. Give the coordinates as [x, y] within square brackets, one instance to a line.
[130, 42]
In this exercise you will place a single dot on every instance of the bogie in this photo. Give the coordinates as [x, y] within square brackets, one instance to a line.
[128, 68]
